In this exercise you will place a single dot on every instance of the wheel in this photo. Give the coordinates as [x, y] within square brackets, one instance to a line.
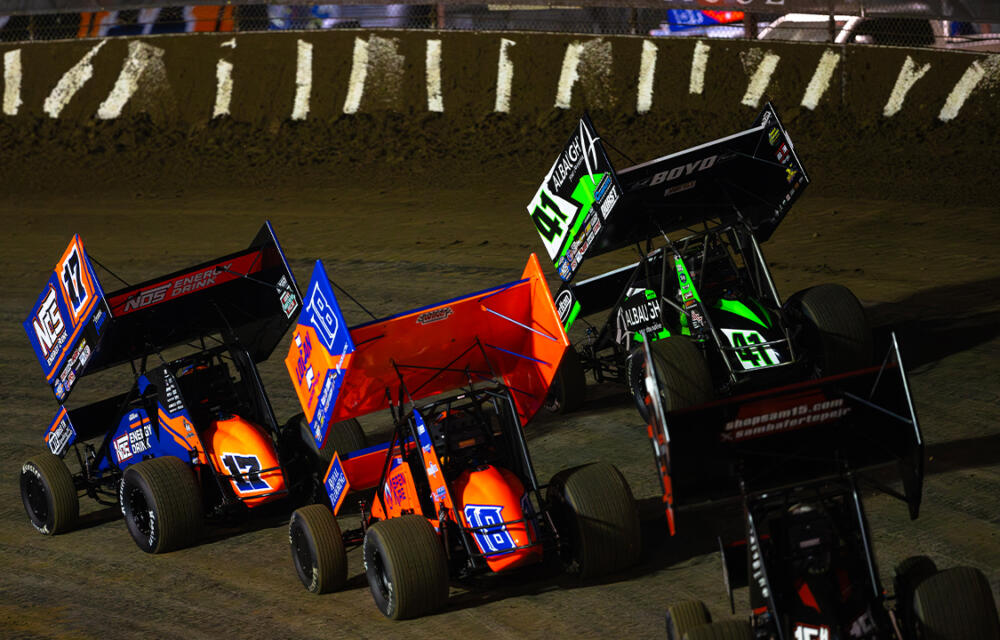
[406, 567]
[161, 502]
[685, 616]
[836, 333]
[49, 494]
[723, 630]
[597, 519]
[682, 375]
[317, 549]
[909, 574]
[956, 604]
[343, 437]
[569, 385]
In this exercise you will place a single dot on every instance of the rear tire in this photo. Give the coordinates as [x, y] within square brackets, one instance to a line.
[910, 573]
[836, 332]
[161, 502]
[597, 518]
[406, 567]
[49, 494]
[723, 630]
[343, 437]
[956, 604]
[682, 375]
[569, 385]
[684, 616]
[317, 549]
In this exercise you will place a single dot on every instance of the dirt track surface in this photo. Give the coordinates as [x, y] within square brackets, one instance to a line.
[927, 268]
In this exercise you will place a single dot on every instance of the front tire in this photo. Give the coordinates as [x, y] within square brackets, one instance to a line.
[597, 518]
[569, 385]
[406, 567]
[956, 604]
[161, 502]
[682, 375]
[49, 494]
[836, 333]
[723, 630]
[317, 549]
[684, 616]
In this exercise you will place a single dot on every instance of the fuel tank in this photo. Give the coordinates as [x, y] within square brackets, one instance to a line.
[488, 497]
[243, 452]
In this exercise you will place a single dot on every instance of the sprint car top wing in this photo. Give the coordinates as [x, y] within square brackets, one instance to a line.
[76, 328]
[510, 331]
[753, 174]
[790, 435]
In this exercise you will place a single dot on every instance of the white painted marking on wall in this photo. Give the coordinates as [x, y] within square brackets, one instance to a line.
[359, 71]
[223, 88]
[820, 80]
[699, 63]
[505, 77]
[909, 73]
[140, 57]
[12, 82]
[435, 101]
[961, 91]
[647, 66]
[231, 43]
[760, 79]
[568, 75]
[71, 82]
[303, 81]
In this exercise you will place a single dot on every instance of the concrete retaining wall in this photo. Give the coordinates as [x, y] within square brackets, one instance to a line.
[267, 78]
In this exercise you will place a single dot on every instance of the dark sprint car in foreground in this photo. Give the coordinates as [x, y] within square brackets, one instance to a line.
[701, 292]
[195, 434]
[798, 458]
[455, 490]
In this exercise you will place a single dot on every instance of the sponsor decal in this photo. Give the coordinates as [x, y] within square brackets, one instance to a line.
[135, 441]
[395, 489]
[609, 201]
[288, 302]
[491, 535]
[802, 412]
[683, 170]
[564, 304]
[132, 301]
[336, 483]
[783, 155]
[790, 174]
[679, 188]
[811, 632]
[434, 315]
[50, 327]
[245, 472]
[60, 436]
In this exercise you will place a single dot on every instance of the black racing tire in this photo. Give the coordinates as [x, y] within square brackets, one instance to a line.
[956, 604]
[909, 574]
[836, 334]
[406, 567]
[343, 437]
[682, 375]
[49, 495]
[684, 616]
[569, 385]
[161, 501]
[722, 630]
[597, 519]
[317, 549]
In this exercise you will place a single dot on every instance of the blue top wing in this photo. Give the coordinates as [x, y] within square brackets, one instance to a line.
[68, 320]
